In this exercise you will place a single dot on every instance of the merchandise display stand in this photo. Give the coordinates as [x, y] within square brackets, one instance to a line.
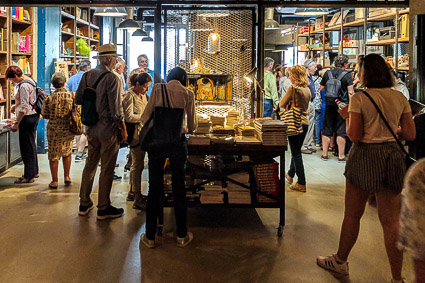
[241, 150]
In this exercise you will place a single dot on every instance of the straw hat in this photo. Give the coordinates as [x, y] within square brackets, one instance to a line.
[107, 50]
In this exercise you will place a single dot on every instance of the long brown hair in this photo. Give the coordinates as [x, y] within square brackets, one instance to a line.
[299, 76]
[375, 73]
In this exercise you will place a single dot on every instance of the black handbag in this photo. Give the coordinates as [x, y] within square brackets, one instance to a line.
[163, 129]
[408, 160]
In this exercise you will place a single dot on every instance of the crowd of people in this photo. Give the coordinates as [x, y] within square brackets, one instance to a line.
[332, 112]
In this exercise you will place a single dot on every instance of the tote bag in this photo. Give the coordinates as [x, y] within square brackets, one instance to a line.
[75, 124]
[292, 117]
[163, 129]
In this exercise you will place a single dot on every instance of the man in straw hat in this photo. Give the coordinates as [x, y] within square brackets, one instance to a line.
[103, 136]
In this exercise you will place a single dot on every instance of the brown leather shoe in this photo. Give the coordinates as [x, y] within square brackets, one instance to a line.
[298, 187]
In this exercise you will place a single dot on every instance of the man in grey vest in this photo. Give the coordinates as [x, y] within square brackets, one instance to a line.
[105, 136]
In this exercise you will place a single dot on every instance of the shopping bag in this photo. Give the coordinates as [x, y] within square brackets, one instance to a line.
[292, 117]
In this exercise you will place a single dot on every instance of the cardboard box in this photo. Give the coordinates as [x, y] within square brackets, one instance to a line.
[318, 24]
[359, 13]
[373, 12]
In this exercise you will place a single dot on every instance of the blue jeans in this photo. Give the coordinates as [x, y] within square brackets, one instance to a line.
[268, 107]
[317, 118]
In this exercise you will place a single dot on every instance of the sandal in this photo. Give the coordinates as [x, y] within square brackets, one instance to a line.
[22, 180]
[53, 185]
[68, 181]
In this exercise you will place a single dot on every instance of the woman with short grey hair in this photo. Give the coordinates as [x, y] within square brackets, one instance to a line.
[57, 108]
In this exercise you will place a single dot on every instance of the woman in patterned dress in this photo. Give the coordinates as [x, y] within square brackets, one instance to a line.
[57, 108]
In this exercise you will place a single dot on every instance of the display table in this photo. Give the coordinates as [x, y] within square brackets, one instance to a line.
[253, 151]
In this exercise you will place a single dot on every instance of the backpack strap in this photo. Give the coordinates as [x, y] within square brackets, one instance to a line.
[330, 75]
[99, 79]
[342, 75]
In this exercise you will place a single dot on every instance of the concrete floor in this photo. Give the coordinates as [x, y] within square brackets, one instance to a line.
[42, 238]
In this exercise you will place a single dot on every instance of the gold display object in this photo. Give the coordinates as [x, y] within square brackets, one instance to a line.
[214, 43]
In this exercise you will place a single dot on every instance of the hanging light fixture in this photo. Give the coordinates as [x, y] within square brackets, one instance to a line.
[311, 11]
[214, 42]
[110, 12]
[270, 23]
[129, 23]
[140, 32]
[147, 39]
[201, 24]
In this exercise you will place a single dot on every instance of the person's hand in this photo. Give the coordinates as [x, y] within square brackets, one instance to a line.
[12, 109]
[123, 135]
[344, 112]
[15, 127]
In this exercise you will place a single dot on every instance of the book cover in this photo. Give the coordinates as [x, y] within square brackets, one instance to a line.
[15, 41]
[21, 13]
[21, 46]
[14, 12]
[28, 43]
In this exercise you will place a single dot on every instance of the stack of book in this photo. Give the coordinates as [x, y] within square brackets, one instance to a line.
[204, 126]
[271, 132]
[245, 131]
[267, 178]
[199, 139]
[23, 63]
[212, 195]
[239, 195]
[232, 118]
[21, 43]
[217, 120]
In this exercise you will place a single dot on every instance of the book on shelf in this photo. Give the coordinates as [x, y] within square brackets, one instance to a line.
[2, 112]
[1, 39]
[20, 14]
[2, 10]
[21, 43]
[23, 63]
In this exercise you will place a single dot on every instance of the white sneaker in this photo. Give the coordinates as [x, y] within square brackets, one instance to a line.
[183, 242]
[329, 263]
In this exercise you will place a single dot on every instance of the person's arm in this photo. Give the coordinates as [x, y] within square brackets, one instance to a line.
[350, 90]
[407, 130]
[355, 127]
[115, 104]
[322, 87]
[128, 108]
[274, 94]
[151, 104]
[80, 90]
[286, 98]
[191, 116]
[68, 84]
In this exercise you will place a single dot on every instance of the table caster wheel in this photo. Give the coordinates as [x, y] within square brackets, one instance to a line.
[279, 231]
[159, 231]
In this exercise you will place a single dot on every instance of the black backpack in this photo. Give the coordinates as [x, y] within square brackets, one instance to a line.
[89, 116]
[333, 86]
[40, 95]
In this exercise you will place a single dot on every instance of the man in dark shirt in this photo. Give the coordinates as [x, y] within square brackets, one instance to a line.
[333, 122]
[103, 136]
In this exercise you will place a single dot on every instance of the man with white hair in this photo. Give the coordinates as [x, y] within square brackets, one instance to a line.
[105, 136]
[119, 72]
[311, 67]
[271, 98]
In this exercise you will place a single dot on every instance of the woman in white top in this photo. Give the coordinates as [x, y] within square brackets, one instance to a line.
[179, 97]
[375, 164]
[134, 105]
[26, 121]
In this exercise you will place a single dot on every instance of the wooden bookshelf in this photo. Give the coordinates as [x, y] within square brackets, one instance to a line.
[75, 27]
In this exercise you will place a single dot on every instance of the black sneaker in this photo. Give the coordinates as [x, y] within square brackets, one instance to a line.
[85, 209]
[140, 204]
[80, 158]
[117, 178]
[110, 212]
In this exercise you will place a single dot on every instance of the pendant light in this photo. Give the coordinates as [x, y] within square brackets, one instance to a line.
[129, 23]
[140, 32]
[270, 23]
[311, 11]
[110, 12]
[147, 39]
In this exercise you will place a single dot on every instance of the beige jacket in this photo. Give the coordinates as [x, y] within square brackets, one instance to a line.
[134, 107]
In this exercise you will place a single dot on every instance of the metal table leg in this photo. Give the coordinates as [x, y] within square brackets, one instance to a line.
[281, 195]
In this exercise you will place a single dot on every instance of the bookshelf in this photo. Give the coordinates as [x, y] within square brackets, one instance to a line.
[76, 24]
[16, 48]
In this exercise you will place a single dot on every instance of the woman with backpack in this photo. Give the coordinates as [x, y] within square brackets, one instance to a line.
[134, 105]
[57, 108]
[176, 96]
[26, 121]
[376, 163]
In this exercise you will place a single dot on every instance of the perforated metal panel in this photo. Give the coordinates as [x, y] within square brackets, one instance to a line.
[187, 47]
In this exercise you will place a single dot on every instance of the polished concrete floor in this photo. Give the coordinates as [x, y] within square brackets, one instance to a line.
[42, 238]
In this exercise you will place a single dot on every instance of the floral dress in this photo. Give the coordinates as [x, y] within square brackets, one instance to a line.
[57, 108]
[412, 216]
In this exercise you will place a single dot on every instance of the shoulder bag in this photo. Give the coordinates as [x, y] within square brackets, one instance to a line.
[409, 160]
[75, 124]
[163, 129]
[292, 117]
